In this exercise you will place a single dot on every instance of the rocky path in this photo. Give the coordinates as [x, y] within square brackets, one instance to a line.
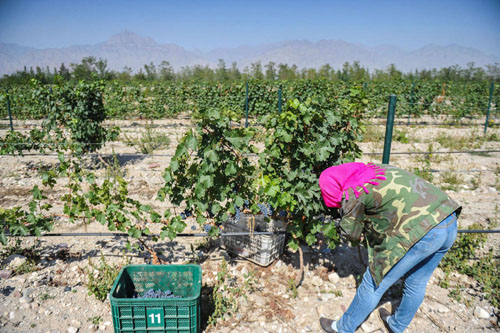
[55, 297]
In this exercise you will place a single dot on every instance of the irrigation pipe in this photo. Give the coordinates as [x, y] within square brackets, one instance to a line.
[431, 124]
[170, 155]
[124, 234]
[431, 170]
[202, 234]
[125, 129]
[438, 152]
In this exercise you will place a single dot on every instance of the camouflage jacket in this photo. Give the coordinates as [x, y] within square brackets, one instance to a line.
[394, 216]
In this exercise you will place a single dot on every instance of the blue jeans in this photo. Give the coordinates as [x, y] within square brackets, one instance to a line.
[418, 265]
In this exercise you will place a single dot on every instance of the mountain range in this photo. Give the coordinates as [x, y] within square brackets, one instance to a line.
[131, 50]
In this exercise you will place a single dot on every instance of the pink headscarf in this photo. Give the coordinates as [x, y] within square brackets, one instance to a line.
[335, 180]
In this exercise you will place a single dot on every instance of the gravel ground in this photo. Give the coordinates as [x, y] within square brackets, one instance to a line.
[55, 297]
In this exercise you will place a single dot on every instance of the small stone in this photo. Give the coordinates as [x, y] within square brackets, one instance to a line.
[93, 328]
[12, 315]
[441, 309]
[25, 300]
[28, 292]
[316, 281]
[14, 261]
[67, 288]
[5, 273]
[107, 323]
[481, 313]
[76, 323]
[35, 306]
[21, 280]
[72, 329]
[307, 328]
[333, 278]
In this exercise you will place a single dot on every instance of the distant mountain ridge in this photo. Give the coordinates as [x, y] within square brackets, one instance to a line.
[132, 50]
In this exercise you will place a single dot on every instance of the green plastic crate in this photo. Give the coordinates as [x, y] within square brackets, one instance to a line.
[169, 315]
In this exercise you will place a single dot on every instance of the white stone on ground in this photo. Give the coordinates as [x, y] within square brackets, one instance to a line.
[481, 313]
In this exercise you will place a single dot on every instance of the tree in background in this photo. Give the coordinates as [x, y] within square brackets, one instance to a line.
[150, 70]
[166, 71]
[256, 70]
[90, 67]
[271, 71]
[221, 74]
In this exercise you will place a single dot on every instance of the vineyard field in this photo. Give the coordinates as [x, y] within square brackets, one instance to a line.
[471, 179]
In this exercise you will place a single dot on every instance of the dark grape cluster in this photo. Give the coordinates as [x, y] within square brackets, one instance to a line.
[207, 227]
[237, 214]
[186, 213]
[151, 293]
[263, 209]
[266, 209]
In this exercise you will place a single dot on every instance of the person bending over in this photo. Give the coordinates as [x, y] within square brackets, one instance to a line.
[408, 225]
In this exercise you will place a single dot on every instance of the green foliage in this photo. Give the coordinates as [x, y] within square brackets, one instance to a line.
[401, 136]
[46, 296]
[73, 117]
[464, 258]
[108, 202]
[476, 181]
[149, 141]
[95, 320]
[20, 222]
[100, 278]
[424, 171]
[152, 99]
[292, 288]
[451, 181]
[227, 291]
[72, 128]
[17, 142]
[302, 141]
[373, 134]
[211, 172]
[31, 253]
[471, 141]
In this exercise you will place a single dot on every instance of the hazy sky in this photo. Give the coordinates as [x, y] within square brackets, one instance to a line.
[210, 24]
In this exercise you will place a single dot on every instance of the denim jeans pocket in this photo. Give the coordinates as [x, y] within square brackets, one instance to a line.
[447, 221]
[426, 243]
